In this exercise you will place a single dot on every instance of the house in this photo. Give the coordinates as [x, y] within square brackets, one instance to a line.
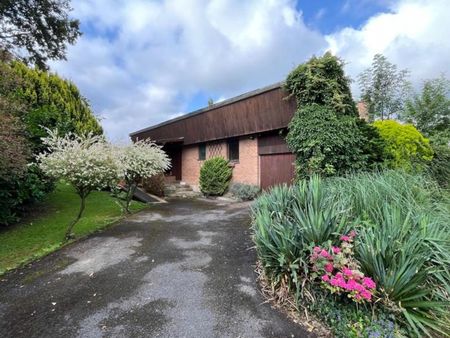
[247, 130]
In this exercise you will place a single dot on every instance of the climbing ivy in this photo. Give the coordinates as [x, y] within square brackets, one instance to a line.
[325, 133]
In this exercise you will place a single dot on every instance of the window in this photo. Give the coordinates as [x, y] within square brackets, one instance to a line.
[233, 150]
[202, 152]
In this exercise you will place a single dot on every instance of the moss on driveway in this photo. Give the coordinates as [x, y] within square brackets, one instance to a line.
[39, 235]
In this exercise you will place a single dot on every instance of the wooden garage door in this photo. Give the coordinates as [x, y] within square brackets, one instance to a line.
[276, 169]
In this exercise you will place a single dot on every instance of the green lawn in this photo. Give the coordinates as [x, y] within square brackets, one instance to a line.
[43, 233]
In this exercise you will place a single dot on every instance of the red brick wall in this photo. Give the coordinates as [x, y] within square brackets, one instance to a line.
[244, 171]
[247, 169]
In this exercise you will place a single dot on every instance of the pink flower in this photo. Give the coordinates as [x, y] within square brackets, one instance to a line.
[317, 249]
[352, 234]
[366, 295]
[345, 238]
[342, 283]
[336, 250]
[324, 253]
[325, 278]
[347, 272]
[351, 285]
[359, 287]
[369, 283]
[334, 281]
[329, 267]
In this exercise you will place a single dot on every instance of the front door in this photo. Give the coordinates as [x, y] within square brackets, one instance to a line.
[174, 151]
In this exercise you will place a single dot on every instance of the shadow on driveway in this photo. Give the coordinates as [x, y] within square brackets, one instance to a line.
[182, 269]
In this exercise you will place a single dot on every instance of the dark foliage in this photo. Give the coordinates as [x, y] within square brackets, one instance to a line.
[330, 145]
[18, 192]
[154, 185]
[439, 167]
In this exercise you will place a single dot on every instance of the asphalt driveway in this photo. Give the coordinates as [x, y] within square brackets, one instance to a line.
[183, 269]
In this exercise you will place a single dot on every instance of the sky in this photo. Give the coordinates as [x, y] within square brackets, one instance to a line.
[140, 62]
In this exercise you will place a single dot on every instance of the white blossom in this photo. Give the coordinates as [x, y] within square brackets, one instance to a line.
[86, 162]
[141, 159]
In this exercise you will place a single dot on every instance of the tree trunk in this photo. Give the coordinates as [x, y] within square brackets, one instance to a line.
[68, 234]
[131, 189]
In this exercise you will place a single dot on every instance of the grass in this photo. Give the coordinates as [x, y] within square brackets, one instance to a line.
[43, 232]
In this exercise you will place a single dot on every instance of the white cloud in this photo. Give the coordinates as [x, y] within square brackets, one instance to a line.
[141, 62]
[149, 58]
[413, 36]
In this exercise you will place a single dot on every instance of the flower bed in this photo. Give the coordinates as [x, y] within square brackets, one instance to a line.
[367, 255]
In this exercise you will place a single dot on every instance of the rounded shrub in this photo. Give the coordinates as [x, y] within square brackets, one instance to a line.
[245, 192]
[404, 146]
[215, 176]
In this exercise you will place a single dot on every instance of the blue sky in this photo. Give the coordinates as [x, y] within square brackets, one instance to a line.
[140, 62]
[329, 16]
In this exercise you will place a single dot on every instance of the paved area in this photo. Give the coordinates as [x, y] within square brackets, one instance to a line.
[182, 269]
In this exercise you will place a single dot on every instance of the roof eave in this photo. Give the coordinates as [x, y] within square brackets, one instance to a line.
[213, 106]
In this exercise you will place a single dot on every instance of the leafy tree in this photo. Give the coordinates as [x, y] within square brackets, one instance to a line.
[215, 176]
[137, 161]
[37, 30]
[86, 162]
[384, 88]
[321, 80]
[405, 146]
[430, 110]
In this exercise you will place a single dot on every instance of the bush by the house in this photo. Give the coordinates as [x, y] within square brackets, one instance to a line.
[215, 176]
[154, 185]
[405, 147]
[327, 144]
[244, 192]
[373, 247]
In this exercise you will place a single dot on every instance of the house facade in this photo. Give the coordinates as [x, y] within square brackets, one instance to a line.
[248, 130]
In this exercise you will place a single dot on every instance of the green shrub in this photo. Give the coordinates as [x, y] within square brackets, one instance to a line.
[329, 145]
[18, 192]
[215, 176]
[402, 243]
[405, 147]
[439, 167]
[245, 192]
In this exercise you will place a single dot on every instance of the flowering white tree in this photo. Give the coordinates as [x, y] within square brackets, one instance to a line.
[87, 163]
[139, 160]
